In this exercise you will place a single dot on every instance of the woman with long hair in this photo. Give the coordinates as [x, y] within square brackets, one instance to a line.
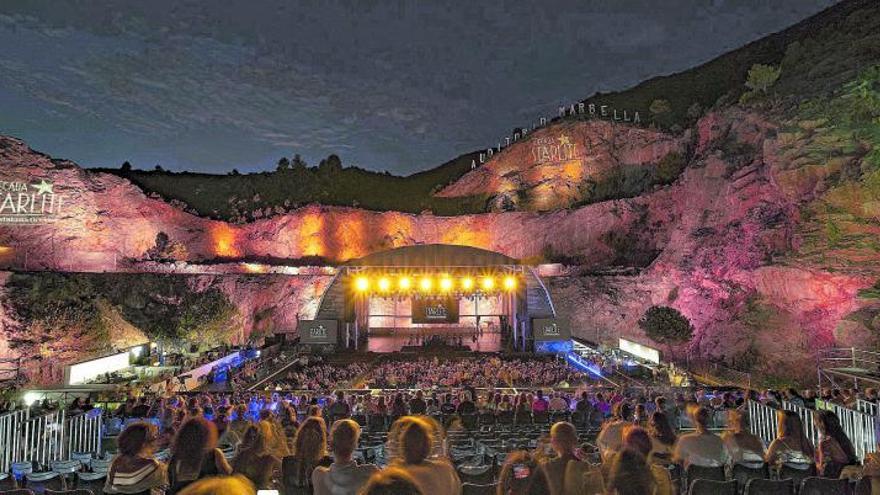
[254, 460]
[662, 436]
[629, 474]
[415, 444]
[309, 452]
[194, 454]
[134, 471]
[835, 450]
[791, 445]
[742, 446]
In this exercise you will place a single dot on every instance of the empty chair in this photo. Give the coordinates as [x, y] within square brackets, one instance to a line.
[712, 487]
[769, 487]
[477, 475]
[65, 469]
[477, 489]
[825, 486]
[84, 458]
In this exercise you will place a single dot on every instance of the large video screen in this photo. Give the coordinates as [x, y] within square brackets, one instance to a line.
[442, 310]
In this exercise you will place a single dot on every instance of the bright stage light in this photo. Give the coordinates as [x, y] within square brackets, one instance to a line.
[509, 283]
[404, 283]
[384, 284]
[362, 284]
[425, 284]
[467, 283]
[488, 283]
[445, 284]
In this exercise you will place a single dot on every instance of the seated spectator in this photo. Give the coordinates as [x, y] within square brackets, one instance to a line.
[742, 446]
[702, 447]
[558, 403]
[254, 460]
[791, 446]
[194, 455]
[391, 481]
[220, 485]
[432, 476]
[629, 474]
[340, 408]
[309, 452]
[521, 475]
[466, 405]
[344, 476]
[134, 471]
[662, 437]
[637, 439]
[563, 440]
[417, 404]
[610, 439]
[834, 450]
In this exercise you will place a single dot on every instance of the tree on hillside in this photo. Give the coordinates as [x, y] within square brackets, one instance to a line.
[762, 77]
[283, 164]
[298, 163]
[666, 325]
[126, 167]
[330, 165]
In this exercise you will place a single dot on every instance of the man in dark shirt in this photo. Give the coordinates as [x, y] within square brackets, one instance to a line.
[417, 404]
[339, 409]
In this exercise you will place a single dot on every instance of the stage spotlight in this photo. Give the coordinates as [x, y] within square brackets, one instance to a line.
[362, 284]
[425, 284]
[384, 284]
[509, 283]
[467, 283]
[404, 283]
[488, 283]
[445, 284]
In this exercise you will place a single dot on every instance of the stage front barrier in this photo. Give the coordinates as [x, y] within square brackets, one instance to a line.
[859, 427]
[866, 407]
[47, 438]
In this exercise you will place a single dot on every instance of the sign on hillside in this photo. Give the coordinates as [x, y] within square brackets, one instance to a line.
[29, 202]
[549, 329]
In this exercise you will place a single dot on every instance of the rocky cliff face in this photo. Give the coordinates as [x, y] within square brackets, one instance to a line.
[721, 243]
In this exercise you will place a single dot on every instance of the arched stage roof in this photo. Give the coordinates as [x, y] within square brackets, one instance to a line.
[434, 255]
[421, 256]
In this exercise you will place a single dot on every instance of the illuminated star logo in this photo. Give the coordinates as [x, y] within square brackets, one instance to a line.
[43, 187]
[563, 140]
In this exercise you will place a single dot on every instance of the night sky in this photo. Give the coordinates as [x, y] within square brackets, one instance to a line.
[397, 86]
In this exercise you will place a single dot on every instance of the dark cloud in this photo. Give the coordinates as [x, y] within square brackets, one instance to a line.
[387, 85]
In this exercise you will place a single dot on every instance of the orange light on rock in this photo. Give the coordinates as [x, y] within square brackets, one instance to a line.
[223, 237]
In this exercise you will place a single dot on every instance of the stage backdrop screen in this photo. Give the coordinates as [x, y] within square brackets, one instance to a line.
[443, 310]
[549, 329]
[317, 331]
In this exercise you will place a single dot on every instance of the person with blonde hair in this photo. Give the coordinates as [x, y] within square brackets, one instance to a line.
[344, 476]
[309, 452]
[253, 459]
[702, 447]
[221, 485]
[391, 481]
[742, 446]
[415, 443]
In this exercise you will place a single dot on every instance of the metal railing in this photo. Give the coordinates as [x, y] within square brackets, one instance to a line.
[49, 437]
[867, 407]
[859, 427]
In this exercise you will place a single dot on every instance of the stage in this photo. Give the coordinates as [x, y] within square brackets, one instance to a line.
[396, 339]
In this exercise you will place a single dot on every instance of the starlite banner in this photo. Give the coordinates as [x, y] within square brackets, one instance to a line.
[29, 202]
[549, 329]
[317, 331]
[443, 310]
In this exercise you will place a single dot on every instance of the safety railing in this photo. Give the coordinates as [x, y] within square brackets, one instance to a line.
[867, 407]
[49, 437]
